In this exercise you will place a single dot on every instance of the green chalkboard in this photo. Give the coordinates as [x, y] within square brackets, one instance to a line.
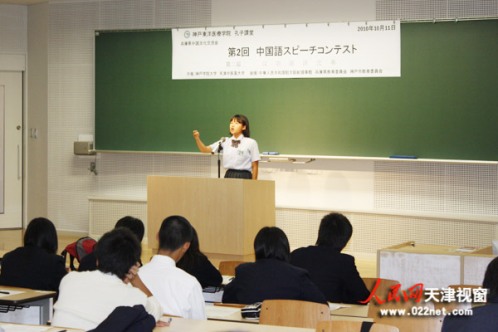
[444, 105]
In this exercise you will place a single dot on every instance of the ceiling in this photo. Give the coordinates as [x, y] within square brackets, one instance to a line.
[22, 2]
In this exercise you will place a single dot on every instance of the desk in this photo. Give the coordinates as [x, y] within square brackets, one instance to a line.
[24, 305]
[229, 313]
[8, 327]
[410, 263]
[339, 311]
[191, 325]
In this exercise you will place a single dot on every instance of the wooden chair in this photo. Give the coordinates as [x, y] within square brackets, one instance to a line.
[351, 326]
[293, 313]
[227, 268]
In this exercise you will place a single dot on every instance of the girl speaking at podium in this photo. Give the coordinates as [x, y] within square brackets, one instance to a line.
[240, 152]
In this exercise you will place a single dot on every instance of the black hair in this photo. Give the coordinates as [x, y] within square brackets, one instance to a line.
[133, 224]
[175, 231]
[117, 251]
[491, 278]
[335, 231]
[192, 255]
[41, 233]
[271, 242]
[243, 120]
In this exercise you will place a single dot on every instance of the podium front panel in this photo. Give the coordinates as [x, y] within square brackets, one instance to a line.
[227, 213]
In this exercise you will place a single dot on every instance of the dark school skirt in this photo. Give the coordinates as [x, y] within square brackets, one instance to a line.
[237, 174]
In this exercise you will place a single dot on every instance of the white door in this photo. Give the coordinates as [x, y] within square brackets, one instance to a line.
[11, 151]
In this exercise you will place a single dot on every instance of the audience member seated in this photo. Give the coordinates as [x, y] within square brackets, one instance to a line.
[88, 298]
[483, 318]
[35, 265]
[271, 276]
[333, 272]
[89, 262]
[179, 293]
[197, 264]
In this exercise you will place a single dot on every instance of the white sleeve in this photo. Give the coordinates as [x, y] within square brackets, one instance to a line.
[154, 308]
[255, 152]
[198, 303]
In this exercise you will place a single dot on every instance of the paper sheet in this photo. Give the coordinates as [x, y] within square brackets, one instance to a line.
[335, 306]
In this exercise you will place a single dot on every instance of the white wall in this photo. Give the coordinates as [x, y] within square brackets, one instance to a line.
[13, 29]
[387, 202]
[240, 12]
[36, 120]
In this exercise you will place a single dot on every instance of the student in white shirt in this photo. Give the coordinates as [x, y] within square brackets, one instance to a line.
[87, 298]
[179, 293]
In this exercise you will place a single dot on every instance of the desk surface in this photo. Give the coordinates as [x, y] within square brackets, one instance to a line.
[17, 295]
[422, 248]
[338, 311]
[190, 325]
[10, 327]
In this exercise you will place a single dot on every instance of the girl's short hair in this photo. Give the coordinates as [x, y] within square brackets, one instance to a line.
[271, 242]
[335, 231]
[193, 255]
[41, 233]
[243, 120]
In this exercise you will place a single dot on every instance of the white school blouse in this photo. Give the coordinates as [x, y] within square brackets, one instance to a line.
[240, 157]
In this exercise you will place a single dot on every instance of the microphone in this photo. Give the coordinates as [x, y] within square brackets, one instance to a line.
[220, 142]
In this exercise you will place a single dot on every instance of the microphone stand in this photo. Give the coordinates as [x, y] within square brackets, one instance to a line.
[220, 148]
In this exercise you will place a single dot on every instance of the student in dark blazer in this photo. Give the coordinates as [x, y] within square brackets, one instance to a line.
[333, 272]
[484, 318]
[271, 276]
[198, 265]
[35, 265]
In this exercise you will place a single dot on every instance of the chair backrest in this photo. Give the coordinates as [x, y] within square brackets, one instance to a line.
[227, 268]
[407, 322]
[293, 313]
[383, 288]
[351, 326]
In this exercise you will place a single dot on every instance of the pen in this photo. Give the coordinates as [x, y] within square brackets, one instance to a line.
[4, 292]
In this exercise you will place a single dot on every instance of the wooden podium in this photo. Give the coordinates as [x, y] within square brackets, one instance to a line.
[227, 213]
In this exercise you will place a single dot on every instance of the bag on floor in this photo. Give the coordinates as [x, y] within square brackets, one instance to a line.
[78, 249]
